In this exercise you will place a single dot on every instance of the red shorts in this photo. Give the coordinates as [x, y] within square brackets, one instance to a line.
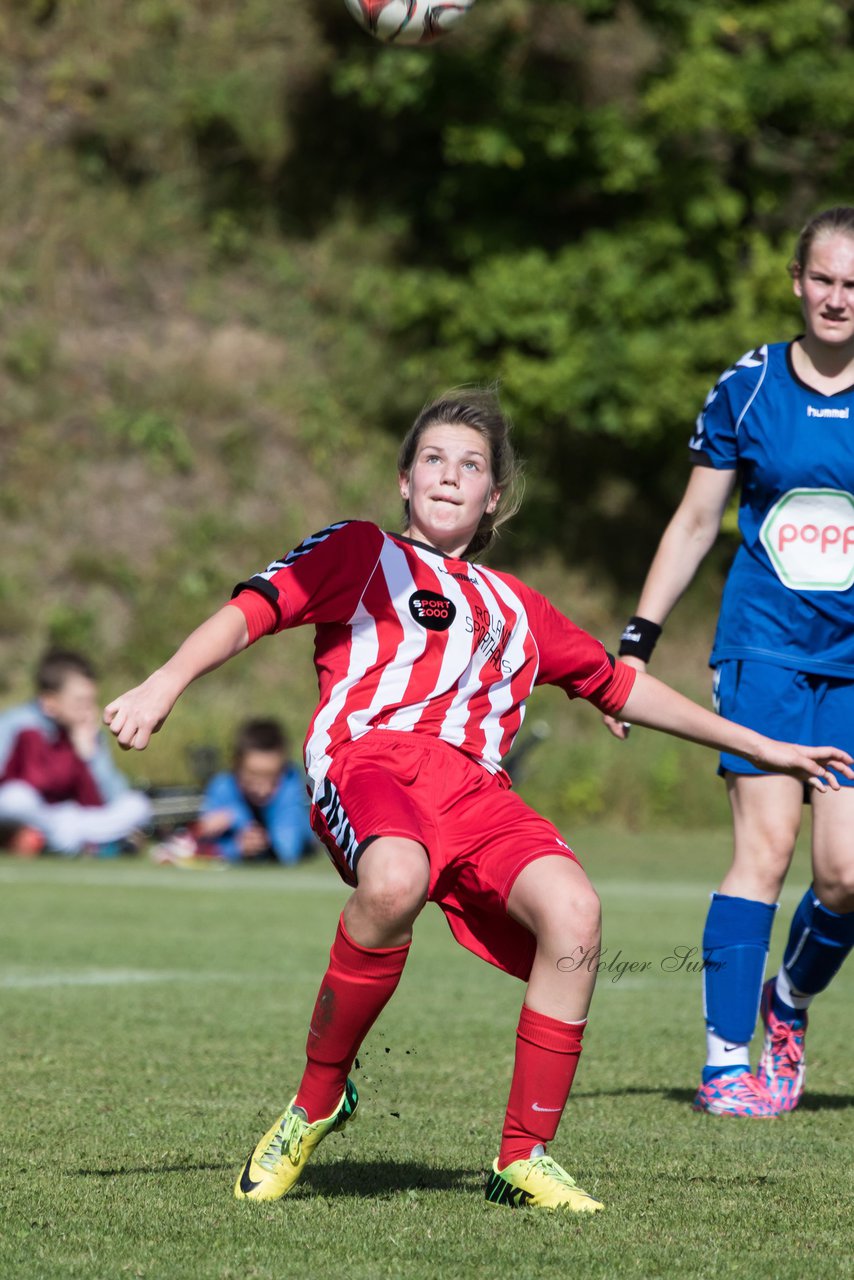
[478, 834]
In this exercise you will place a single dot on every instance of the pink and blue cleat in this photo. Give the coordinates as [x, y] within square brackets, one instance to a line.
[782, 1066]
[735, 1093]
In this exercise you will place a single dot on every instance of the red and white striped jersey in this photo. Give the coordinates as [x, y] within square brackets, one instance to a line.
[412, 641]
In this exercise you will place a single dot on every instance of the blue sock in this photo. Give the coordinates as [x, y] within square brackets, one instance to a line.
[819, 941]
[735, 945]
[709, 1073]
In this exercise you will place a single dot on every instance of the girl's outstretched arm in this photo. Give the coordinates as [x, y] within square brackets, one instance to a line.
[656, 705]
[134, 716]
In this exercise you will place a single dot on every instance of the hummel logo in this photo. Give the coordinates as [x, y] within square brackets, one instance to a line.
[535, 1106]
[562, 843]
[826, 413]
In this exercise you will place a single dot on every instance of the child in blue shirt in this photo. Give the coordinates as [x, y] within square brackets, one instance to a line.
[259, 810]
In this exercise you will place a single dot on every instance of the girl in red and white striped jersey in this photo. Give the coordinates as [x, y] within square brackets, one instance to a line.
[425, 659]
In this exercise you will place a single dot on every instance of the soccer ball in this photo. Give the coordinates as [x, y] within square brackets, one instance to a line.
[408, 21]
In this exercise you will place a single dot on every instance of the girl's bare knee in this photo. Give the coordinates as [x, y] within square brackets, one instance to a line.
[393, 879]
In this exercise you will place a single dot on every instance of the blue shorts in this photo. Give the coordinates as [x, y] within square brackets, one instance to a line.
[792, 706]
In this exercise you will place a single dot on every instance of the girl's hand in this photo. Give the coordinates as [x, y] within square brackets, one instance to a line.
[812, 765]
[134, 716]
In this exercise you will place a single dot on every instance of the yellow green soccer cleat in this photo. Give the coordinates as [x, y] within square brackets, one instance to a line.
[278, 1162]
[538, 1183]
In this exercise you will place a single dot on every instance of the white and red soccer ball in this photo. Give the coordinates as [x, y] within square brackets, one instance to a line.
[408, 21]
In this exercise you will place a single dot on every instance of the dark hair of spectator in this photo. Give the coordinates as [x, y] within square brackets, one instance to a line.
[259, 735]
[56, 665]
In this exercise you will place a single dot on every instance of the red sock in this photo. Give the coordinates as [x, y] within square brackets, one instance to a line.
[358, 984]
[547, 1053]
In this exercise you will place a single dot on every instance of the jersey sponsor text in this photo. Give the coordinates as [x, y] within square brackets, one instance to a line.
[809, 537]
[433, 611]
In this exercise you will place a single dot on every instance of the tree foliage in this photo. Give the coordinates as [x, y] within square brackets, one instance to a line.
[592, 201]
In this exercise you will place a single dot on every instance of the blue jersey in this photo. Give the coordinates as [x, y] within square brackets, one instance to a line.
[789, 596]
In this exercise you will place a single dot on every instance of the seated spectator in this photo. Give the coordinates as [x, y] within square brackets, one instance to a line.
[259, 811]
[59, 786]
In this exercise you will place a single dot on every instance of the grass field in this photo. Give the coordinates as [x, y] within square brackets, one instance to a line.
[153, 1023]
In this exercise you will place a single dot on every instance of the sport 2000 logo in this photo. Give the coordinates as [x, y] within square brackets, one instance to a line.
[431, 610]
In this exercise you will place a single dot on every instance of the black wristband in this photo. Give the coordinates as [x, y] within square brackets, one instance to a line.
[639, 639]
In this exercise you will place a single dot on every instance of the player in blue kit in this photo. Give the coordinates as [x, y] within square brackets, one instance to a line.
[779, 424]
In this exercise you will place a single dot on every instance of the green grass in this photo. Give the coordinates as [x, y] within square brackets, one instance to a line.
[154, 1021]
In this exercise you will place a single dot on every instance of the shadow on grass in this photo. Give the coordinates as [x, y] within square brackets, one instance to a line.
[152, 1169]
[809, 1102]
[630, 1091]
[826, 1102]
[376, 1177]
[343, 1178]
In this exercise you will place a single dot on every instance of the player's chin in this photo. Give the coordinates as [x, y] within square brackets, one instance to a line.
[835, 334]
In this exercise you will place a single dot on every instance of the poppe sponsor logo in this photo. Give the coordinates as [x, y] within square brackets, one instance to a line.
[431, 610]
[825, 536]
[809, 538]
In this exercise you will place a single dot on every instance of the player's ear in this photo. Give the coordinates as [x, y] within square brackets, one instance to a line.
[797, 281]
[494, 499]
[403, 483]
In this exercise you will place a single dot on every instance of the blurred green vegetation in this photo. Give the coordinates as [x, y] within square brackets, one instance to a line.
[241, 243]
